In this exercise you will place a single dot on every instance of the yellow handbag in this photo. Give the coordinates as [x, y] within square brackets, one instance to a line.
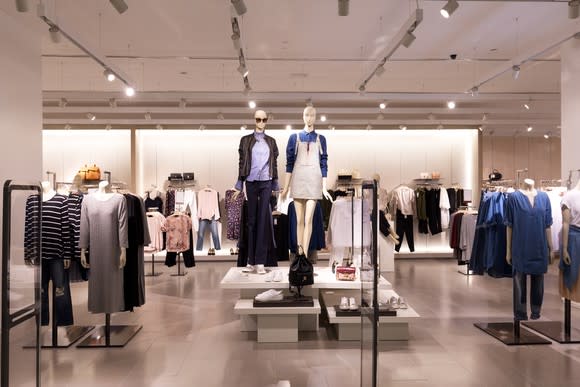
[90, 172]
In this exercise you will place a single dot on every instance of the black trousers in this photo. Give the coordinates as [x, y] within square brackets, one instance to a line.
[188, 257]
[404, 225]
[53, 270]
[258, 222]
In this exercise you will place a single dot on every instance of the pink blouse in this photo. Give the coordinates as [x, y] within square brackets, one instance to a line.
[177, 227]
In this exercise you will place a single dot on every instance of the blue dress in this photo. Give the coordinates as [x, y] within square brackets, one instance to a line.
[529, 224]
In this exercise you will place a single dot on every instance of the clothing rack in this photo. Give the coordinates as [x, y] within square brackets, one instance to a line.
[179, 272]
[467, 270]
[550, 183]
[555, 330]
[153, 273]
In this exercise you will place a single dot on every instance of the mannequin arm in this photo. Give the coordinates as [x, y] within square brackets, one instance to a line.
[565, 230]
[550, 247]
[284, 194]
[67, 263]
[123, 258]
[508, 255]
[84, 262]
[325, 191]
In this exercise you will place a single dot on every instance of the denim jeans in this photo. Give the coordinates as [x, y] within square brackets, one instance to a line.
[520, 295]
[53, 269]
[213, 228]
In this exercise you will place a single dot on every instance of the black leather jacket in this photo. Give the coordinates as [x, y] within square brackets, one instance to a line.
[245, 151]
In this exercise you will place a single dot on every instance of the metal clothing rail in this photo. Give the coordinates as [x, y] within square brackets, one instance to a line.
[11, 320]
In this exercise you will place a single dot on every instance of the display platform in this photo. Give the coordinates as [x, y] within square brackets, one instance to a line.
[286, 302]
[554, 330]
[119, 336]
[504, 332]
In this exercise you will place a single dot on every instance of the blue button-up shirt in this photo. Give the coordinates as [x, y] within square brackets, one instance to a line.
[307, 137]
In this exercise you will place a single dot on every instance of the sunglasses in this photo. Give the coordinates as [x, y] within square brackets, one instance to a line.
[264, 120]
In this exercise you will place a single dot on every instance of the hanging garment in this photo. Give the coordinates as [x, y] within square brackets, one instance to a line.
[208, 204]
[188, 256]
[433, 211]
[281, 237]
[76, 272]
[177, 227]
[456, 220]
[307, 176]
[104, 233]
[169, 202]
[444, 207]
[529, 222]
[213, 226]
[153, 204]
[155, 226]
[421, 203]
[233, 214]
[404, 228]
[466, 235]
[134, 270]
[452, 194]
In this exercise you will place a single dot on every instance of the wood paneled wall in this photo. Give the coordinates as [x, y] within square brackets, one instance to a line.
[541, 156]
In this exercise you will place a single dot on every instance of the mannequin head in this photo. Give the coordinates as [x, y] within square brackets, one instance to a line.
[260, 116]
[529, 184]
[309, 117]
[103, 186]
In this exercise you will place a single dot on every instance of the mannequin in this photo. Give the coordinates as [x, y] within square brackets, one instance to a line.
[103, 194]
[570, 253]
[306, 172]
[258, 169]
[47, 191]
[529, 246]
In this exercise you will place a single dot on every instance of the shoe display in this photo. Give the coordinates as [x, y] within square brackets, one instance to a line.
[402, 303]
[344, 304]
[248, 269]
[269, 277]
[211, 251]
[352, 304]
[260, 269]
[232, 251]
[394, 302]
[278, 276]
[270, 295]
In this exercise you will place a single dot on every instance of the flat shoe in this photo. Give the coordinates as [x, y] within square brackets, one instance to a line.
[343, 304]
[402, 303]
[352, 304]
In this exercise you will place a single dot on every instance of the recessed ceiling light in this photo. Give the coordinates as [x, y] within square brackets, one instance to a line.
[252, 104]
[323, 118]
[527, 106]
[530, 128]
[129, 91]
[451, 104]
[546, 136]
[383, 105]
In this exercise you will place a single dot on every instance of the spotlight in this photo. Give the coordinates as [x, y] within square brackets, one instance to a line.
[331, 127]
[182, 103]
[474, 91]
[383, 105]
[530, 128]
[112, 103]
[362, 89]
[54, 34]
[547, 136]
[243, 127]
[129, 91]
[243, 70]
[323, 118]
[516, 71]
[403, 127]
[252, 104]
[480, 128]
[108, 127]
[573, 9]
[408, 39]
[91, 116]
[449, 8]
[239, 6]
[148, 116]
[67, 127]
[527, 106]
[109, 75]
[22, 5]
[119, 5]
[288, 127]
[343, 7]
[62, 103]
[450, 104]
[159, 127]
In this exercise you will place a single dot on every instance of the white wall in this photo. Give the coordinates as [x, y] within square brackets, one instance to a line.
[65, 151]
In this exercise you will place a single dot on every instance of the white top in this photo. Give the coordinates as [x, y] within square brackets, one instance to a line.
[444, 205]
[572, 200]
[405, 197]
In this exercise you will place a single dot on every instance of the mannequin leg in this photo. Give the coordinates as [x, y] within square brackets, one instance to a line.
[299, 205]
[308, 216]
[536, 295]
[520, 296]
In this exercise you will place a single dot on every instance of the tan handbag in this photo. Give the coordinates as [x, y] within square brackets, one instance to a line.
[90, 172]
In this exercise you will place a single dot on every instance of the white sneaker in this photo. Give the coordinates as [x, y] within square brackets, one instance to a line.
[352, 304]
[278, 276]
[248, 269]
[394, 302]
[270, 295]
[270, 277]
[402, 303]
[260, 269]
[343, 303]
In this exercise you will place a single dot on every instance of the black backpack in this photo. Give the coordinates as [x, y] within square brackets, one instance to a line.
[301, 272]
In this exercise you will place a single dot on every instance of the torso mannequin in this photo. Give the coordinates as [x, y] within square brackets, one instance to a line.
[305, 205]
[103, 195]
[47, 191]
[570, 257]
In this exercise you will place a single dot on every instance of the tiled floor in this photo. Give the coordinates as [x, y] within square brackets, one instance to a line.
[191, 337]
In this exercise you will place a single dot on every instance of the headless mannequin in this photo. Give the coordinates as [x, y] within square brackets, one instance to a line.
[305, 207]
[530, 192]
[48, 193]
[102, 194]
[261, 118]
[566, 216]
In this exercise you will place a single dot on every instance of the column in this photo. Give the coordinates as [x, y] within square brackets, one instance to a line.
[570, 94]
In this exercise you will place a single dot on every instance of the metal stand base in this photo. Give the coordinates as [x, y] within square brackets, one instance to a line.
[119, 336]
[153, 274]
[466, 271]
[554, 330]
[505, 332]
[179, 274]
[66, 336]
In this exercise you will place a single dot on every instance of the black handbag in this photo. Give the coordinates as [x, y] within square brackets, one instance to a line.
[495, 175]
[301, 272]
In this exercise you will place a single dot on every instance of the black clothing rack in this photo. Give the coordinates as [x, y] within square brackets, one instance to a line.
[12, 319]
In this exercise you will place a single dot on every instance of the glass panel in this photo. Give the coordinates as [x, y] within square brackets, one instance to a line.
[368, 275]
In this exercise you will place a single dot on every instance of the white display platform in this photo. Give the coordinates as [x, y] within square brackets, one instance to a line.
[390, 327]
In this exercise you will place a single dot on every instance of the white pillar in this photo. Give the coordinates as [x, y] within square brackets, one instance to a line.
[570, 62]
[20, 97]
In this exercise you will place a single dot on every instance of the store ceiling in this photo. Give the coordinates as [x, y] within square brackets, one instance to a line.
[302, 49]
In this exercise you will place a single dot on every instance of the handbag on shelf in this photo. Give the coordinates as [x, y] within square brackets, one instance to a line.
[175, 177]
[90, 173]
[495, 175]
[188, 176]
[345, 273]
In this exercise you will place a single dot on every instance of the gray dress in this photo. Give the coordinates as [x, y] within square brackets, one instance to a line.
[104, 232]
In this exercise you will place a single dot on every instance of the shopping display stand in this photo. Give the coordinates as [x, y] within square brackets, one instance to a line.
[153, 273]
[179, 272]
[556, 330]
[110, 336]
[510, 333]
